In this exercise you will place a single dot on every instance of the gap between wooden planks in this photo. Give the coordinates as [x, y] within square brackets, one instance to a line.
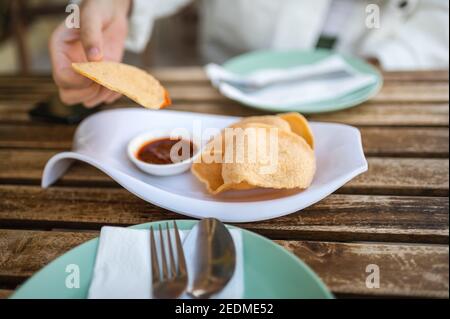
[196, 74]
[386, 176]
[406, 270]
[377, 141]
[336, 218]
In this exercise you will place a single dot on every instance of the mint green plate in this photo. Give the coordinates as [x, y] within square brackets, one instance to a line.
[270, 271]
[260, 60]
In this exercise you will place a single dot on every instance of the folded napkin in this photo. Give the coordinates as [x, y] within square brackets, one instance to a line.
[123, 265]
[289, 87]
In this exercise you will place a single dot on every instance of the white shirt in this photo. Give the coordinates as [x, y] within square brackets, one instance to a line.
[411, 36]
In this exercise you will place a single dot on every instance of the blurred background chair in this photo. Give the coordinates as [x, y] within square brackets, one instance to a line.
[17, 19]
[26, 25]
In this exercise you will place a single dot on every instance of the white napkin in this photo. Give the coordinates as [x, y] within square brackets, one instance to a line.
[289, 87]
[122, 267]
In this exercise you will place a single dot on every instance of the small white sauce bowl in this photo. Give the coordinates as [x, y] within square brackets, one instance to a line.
[158, 169]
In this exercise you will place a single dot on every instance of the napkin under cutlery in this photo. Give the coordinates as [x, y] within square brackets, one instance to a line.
[327, 79]
[123, 267]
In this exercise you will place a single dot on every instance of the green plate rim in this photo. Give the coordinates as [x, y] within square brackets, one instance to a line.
[344, 102]
[184, 224]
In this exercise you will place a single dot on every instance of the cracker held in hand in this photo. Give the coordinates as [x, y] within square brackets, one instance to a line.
[295, 160]
[128, 80]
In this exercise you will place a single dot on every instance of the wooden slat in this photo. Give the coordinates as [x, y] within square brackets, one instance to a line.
[368, 114]
[336, 218]
[382, 141]
[5, 293]
[37, 86]
[425, 76]
[386, 176]
[24, 78]
[406, 142]
[417, 101]
[15, 112]
[390, 114]
[43, 136]
[187, 74]
[25, 252]
[403, 176]
[392, 92]
[405, 270]
[417, 92]
[31, 98]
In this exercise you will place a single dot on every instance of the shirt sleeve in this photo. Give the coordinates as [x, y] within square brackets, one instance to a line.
[143, 15]
[421, 41]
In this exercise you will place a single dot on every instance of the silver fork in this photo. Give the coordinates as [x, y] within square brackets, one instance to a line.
[168, 282]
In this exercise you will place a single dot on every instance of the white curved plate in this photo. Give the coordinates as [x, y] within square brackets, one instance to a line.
[101, 140]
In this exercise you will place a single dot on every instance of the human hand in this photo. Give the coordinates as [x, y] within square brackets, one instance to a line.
[102, 35]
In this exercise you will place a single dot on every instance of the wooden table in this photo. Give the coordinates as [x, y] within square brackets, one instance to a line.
[394, 216]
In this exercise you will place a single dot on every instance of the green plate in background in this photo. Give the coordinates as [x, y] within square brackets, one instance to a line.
[269, 270]
[255, 61]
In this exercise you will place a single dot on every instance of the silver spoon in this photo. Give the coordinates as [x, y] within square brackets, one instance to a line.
[213, 259]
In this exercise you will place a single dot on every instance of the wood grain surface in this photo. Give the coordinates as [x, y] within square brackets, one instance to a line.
[203, 92]
[395, 216]
[5, 293]
[418, 270]
[377, 141]
[403, 176]
[337, 218]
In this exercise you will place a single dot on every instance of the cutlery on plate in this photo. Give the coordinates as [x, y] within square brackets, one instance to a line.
[277, 77]
[170, 280]
[214, 258]
[253, 86]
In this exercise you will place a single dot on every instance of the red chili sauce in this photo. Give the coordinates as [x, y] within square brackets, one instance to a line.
[158, 151]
